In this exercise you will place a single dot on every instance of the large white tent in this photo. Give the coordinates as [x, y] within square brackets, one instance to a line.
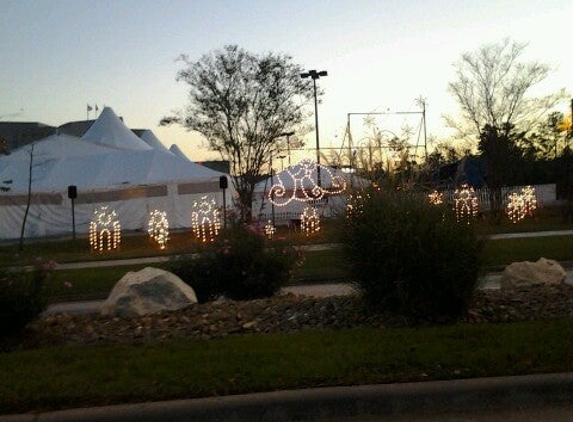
[109, 165]
[294, 188]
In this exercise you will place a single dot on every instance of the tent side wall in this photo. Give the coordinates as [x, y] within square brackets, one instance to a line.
[51, 214]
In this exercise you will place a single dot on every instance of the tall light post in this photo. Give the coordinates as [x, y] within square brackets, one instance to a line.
[288, 135]
[316, 75]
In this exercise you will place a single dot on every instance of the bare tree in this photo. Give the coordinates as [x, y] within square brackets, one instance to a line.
[29, 198]
[242, 103]
[34, 163]
[491, 89]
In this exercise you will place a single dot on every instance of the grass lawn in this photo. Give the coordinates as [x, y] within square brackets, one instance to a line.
[61, 377]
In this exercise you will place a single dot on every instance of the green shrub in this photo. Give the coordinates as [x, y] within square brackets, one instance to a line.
[241, 264]
[409, 256]
[198, 273]
[22, 298]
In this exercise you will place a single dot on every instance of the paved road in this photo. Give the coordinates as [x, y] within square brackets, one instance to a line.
[490, 281]
[526, 398]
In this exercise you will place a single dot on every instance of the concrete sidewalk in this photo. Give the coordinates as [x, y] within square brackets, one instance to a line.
[401, 402]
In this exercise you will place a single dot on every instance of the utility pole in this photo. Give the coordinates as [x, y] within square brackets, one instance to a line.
[316, 75]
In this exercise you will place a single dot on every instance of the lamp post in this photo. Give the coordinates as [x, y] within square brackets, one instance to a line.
[288, 135]
[315, 75]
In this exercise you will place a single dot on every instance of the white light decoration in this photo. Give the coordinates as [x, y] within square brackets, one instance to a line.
[309, 221]
[158, 228]
[304, 187]
[515, 209]
[529, 200]
[270, 230]
[465, 203]
[105, 230]
[436, 198]
[205, 219]
[355, 205]
[521, 205]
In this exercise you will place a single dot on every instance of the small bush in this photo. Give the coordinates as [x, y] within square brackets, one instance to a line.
[241, 264]
[22, 298]
[410, 256]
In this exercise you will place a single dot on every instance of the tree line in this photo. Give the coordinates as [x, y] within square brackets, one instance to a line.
[243, 103]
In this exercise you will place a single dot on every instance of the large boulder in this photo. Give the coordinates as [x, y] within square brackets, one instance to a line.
[526, 273]
[148, 291]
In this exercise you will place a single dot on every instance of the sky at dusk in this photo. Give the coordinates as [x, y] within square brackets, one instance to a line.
[59, 55]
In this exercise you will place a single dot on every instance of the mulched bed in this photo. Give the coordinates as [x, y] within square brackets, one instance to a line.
[283, 314]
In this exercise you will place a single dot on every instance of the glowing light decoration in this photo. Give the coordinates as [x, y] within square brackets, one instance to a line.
[105, 230]
[521, 205]
[355, 205]
[205, 220]
[436, 198]
[302, 178]
[158, 228]
[465, 204]
[309, 221]
[270, 230]
[515, 209]
[529, 200]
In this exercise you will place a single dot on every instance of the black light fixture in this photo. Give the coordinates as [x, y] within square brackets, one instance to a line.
[316, 75]
[288, 135]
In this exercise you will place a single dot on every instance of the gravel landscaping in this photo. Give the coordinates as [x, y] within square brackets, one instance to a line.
[287, 313]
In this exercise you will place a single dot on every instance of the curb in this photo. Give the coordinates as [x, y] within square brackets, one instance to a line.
[526, 391]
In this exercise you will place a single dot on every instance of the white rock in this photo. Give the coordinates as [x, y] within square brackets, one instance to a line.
[526, 273]
[148, 291]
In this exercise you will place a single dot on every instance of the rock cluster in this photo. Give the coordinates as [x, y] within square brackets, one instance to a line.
[285, 314]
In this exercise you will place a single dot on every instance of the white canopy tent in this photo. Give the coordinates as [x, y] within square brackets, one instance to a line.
[109, 165]
[177, 151]
[295, 186]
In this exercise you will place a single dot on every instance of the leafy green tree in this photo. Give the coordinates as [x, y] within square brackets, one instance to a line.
[241, 103]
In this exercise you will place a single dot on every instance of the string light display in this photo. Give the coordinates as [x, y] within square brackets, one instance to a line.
[205, 220]
[465, 203]
[515, 209]
[302, 178]
[436, 198]
[309, 221]
[158, 228]
[529, 200]
[105, 230]
[355, 205]
[521, 205]
[270, 230]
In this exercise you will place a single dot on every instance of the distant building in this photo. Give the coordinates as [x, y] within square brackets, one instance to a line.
[78, 128]
[18, 134]
[218, 165]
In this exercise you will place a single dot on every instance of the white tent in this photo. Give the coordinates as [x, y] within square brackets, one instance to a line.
[177, 151]
[150, 139]
[296, 186]
[110, 166]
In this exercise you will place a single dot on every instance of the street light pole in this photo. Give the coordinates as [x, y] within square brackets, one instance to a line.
[316, 75]
[288, 135]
